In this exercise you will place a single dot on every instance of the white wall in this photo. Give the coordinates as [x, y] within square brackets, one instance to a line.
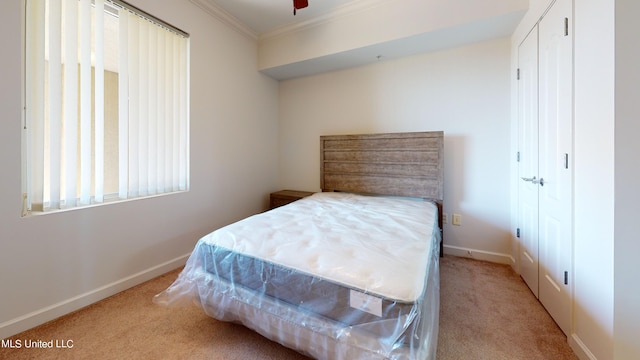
[594, 179]
[463, 91]
[627, 172]
[53, 264]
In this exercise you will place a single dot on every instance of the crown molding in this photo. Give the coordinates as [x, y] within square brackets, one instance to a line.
[219, 13]
[347, 9]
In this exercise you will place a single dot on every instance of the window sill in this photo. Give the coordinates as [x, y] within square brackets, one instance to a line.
[109, 200]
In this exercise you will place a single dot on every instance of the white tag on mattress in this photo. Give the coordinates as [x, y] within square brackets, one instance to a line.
[366, 303]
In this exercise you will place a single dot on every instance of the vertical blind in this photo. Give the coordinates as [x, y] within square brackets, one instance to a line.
[66, 42]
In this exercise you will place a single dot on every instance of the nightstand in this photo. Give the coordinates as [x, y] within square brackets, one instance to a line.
[284, 197]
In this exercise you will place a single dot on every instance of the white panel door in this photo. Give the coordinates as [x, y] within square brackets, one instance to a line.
[555, 150]
[528, 154]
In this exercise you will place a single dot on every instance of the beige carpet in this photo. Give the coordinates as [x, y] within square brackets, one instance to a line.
[487, 312]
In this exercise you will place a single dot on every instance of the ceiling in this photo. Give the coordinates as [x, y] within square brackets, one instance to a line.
[263, 16]
[266, 19]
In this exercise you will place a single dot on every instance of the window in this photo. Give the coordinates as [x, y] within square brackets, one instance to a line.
[107, 104]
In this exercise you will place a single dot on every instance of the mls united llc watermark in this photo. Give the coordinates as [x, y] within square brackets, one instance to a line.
[36, 344]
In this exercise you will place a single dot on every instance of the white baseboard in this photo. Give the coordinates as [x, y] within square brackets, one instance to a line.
[580, 349]
[479, 254]
[38, 317]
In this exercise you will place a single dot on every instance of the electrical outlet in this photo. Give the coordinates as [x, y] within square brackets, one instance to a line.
[445, 218]
[457, 219]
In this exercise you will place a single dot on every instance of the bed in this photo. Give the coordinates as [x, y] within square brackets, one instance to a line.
[347, 273]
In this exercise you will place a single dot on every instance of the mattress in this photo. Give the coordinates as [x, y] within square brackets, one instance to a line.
[333, 275]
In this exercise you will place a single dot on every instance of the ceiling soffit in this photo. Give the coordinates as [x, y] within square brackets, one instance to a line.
[500, 25]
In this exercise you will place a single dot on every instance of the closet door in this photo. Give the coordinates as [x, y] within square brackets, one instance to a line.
[545, 119]
[528, 155]
[555, 150]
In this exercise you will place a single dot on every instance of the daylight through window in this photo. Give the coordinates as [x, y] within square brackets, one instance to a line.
[107, 104]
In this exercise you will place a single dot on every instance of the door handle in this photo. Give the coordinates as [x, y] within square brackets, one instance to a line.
[534, 180]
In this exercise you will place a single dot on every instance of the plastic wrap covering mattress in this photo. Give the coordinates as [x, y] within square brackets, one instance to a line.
[334, 276]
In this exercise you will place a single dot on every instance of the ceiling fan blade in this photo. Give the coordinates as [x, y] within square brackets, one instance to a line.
[299, 4]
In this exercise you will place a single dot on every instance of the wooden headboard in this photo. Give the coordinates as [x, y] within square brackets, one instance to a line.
[399, 164]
